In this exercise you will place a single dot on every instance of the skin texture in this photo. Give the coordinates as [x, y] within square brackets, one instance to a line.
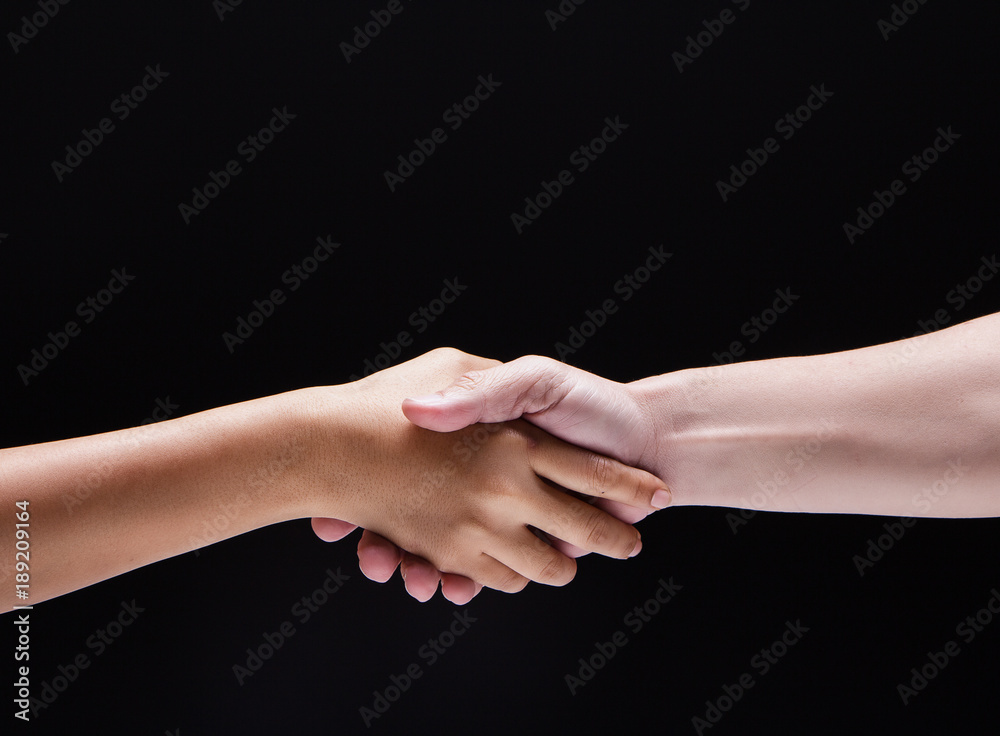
[466, 502]
[909, 428]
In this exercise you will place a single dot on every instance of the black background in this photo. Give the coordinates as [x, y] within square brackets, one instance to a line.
[323, 175]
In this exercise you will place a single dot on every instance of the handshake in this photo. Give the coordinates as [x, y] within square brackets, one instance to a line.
[504, 475]
[470, 473]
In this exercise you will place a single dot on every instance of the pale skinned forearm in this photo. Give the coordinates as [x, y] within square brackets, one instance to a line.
[910, 428]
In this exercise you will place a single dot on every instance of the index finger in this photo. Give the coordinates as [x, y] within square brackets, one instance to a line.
[595, 475]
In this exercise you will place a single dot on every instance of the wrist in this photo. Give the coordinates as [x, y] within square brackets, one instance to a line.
[732, 436]
[345, 433]
[278, 444]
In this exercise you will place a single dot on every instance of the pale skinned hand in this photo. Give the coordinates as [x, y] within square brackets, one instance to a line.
[576, 406]
[476, 493]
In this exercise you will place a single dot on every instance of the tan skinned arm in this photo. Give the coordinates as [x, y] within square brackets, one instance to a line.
[467, 501]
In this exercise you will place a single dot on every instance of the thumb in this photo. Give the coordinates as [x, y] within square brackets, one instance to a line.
[523, 386]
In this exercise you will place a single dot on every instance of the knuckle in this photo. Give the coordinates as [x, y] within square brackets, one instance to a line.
[538, 383]
[537, 362]
[600, 472]
[556, 571]
[468, 380]
[598, 530]
[447, 353]
[630, 541]
[572, 516]
[640, 492]
[511, 582]
[509, 435]
[527, 434]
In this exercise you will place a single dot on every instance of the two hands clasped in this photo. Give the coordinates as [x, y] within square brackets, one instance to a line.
[494, 475]
[491, 499]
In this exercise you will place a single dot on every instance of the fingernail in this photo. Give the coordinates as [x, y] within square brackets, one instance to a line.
[430, 400]
[638, 548]
[661, 499]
